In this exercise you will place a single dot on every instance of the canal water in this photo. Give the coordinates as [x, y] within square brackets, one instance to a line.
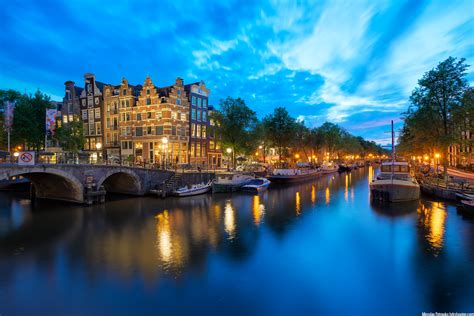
[319, 248]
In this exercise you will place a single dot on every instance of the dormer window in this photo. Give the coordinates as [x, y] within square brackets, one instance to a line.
[147, 91]
[148, 101]
[124, 92]
[163, 100]
[179, 92]
[178, 101]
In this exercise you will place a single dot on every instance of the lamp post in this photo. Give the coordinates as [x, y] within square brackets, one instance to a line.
[437, 162]
[98, 146]
[164, 140]
[229, 151]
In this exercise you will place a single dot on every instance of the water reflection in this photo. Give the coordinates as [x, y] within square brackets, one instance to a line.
[433, 218]
[229, 219]
[197, 249]
[258, 210]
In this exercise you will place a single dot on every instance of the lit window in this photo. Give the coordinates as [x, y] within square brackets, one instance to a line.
[139, 117]
[97, 113]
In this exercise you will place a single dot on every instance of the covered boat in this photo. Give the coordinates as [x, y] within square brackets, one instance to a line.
[284, 176]
[230, 182]
[395, 183]
[194, 189]
[256, 185]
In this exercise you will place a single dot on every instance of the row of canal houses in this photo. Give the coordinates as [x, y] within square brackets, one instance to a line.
[144, 123]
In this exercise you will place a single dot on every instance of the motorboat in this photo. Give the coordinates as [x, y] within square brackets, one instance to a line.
[230, 182]
[468, 206]
[194, 189]
[256, 185]
[395, 183]
[284, 176]
[328, 168]
[344, 168]
[460, 196]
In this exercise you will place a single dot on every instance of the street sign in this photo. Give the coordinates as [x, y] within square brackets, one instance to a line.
[26, 158]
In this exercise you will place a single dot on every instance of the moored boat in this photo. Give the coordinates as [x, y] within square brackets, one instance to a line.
[468, 206]
[230, 182]
[256, 185]
[394, 183]
[284, 176]
[344, 168]
[194, 189]
[328, 168]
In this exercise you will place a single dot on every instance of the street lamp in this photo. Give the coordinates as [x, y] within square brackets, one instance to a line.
[164, 140]
[16, 154]
[229, 151]
[98, 146]
[437, 161]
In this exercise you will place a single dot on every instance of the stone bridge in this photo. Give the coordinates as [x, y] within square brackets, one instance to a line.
[76, 183]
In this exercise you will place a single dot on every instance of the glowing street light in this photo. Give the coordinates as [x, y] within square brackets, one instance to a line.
[98, 146]
[437, 156]
[164, 140]
[229, 150]
[297, 156]
[16, 154]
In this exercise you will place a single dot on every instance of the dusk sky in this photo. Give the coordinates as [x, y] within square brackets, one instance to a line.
[354, 63]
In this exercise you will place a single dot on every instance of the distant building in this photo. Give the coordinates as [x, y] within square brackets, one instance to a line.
[71, 105]
[91, 114]
[214, 147]
[198, 97]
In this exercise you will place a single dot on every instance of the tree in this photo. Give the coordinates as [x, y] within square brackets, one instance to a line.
[331, 136]
[71, 136]
[236, 123]
[29, 120]
[281, 128]
[11, 96]
[434, 104]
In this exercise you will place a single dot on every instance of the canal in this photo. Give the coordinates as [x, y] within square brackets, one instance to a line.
[316, 248]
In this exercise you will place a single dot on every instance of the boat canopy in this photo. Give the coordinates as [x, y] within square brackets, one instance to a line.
[397, 167]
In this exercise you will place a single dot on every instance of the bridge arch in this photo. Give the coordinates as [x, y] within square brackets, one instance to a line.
[121, 181]
[53, 184]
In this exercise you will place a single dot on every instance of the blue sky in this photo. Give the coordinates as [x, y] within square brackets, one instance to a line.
[354, 63]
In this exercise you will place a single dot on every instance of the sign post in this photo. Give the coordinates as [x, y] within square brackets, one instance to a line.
[26, 158]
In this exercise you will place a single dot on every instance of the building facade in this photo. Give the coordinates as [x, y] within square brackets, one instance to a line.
[91, 115]
[143, 124]
[198, 98]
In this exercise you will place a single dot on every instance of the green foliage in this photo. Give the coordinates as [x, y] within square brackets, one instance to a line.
[6, 95]
[71, 136]
[440, 105]
[236, 124]
[29, 120]
[281, 130]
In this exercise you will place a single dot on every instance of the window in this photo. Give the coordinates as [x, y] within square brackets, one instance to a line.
[182, 131]
[179, 115]
[124, 92]
[204, 118]
[173, 130]
[84, 115]
[86, 129]
[127, 115]
[122, 103]
[173, 115]
[149, 130]
[159, 115]
[139, 131]
[193, 152]
[199, 102]
[98, 128]
[139, 116]
[203, 131]
[198, 115]
[159, 130]
[147, 91]
[107, 124]
[198, 150]
[212, 145]
[148, 101]
[193, 130]
[193, 114]
[163, 100]
[198, 131]
[148, 115]
[127, 103]
[193, 100]
[204, 103]
[97, 113]
[178, 101]
[179, 92]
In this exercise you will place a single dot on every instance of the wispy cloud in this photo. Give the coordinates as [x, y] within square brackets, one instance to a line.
[354, 62]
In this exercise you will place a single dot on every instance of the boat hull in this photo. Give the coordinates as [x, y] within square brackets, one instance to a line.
[396, 192]
[292, 178]
[255, 189]
[192, 192]
[225, 188]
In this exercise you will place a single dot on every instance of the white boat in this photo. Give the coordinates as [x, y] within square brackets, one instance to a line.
[195, 189]
[328, 168]
[285, 176]
[395, 183]
[256, 185]
[230, 182]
